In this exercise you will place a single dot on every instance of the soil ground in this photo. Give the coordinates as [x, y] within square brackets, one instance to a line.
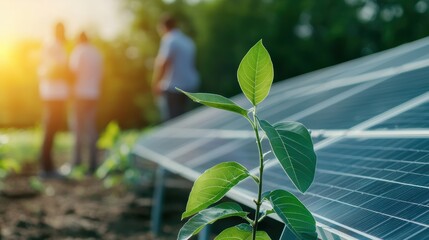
[83, 210]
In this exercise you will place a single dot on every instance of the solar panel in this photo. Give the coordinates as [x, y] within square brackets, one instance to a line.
[417, 117]
[370, 125]
[369, 179]
[375, 100]
[420, 53]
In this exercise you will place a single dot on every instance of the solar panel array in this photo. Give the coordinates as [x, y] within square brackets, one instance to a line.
[370, 126]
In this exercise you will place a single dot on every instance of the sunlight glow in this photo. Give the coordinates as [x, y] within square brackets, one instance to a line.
[4, 53]
[34, 19]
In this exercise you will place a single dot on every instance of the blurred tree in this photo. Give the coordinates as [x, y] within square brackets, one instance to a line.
[126, 96]
[18, 84]
[302, 36]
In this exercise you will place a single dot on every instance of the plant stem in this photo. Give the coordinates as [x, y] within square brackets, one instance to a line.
[261, 171]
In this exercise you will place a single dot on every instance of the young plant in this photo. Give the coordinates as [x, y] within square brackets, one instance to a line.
[8, 164]
[118, 166]
[291, 144]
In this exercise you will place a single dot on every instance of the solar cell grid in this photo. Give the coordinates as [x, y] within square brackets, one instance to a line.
[423, 217]
[396, 208]
[407, 193]
[415, 213]
[374, 191]
[208, 118]
[407, 57]
[207, 152]
[198, 150]
[417, 117]
[330, 192]
[275, 112]
[316, 77]
[350, 183]
[423, 234]
[327, 200]
[386, 226]
[377, 188]
[415, 179]
[362, 220]
[246, 154]
[355, 198]
[370, 103]
[375, 62]
[360, 168]
[163, 145]
[422, 169]
[375, 151]
[404, 232]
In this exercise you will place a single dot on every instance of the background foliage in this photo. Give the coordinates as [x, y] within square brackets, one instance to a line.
[300, 35]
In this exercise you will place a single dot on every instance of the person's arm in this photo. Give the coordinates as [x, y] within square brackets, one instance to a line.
[161, 66]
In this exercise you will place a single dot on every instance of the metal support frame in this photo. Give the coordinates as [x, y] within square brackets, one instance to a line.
[158, 206]
[158, 201]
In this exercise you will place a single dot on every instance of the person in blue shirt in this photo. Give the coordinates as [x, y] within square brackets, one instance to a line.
[174, 67]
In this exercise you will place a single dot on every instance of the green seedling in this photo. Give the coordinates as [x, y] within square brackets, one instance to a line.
[291, 144]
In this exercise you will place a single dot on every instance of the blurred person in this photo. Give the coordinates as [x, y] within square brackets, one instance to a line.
[174, 67]
[86, 63]
[54, 92]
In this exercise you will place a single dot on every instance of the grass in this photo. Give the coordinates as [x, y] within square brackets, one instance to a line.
[23, 145]
[20, 148]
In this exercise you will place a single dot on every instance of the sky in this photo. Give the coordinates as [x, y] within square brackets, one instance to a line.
[34, 18]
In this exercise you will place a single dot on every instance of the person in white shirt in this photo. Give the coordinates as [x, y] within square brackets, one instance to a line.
[86, 63]
[174, 67]
[54, 92]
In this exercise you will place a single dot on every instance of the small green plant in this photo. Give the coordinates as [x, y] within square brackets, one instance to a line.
[117, 168]
[291, 144]
[16, 147]
[7, 164]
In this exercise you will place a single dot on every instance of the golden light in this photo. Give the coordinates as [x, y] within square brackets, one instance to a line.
[25, 25]
[4, 54]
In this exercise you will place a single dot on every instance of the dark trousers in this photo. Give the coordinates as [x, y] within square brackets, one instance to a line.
[176, 104]
[54, 115]
[85, 128]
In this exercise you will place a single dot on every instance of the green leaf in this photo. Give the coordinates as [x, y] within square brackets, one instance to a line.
[292, 145]
[215, 101]
[208, 216]
[294, 214]
[255, 74]
[109, 136]
[241, 232]
[213, 184]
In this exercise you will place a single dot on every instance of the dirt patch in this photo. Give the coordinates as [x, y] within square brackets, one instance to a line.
[83, 210]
